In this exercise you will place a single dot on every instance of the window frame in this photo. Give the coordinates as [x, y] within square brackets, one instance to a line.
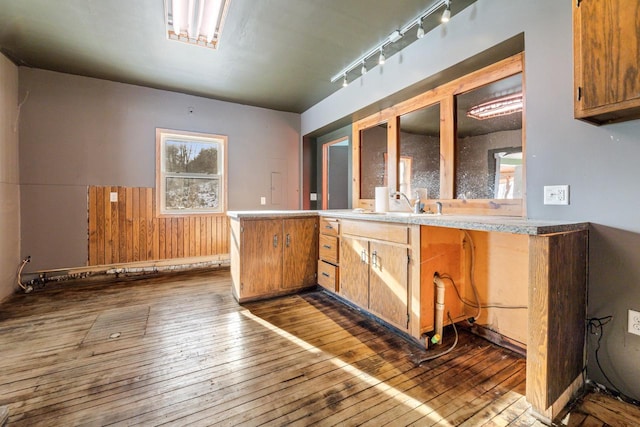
[162, 135]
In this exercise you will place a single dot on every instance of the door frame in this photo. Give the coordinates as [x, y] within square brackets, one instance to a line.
[325, 169]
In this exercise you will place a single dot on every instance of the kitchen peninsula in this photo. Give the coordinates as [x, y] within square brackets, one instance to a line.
[385, 263]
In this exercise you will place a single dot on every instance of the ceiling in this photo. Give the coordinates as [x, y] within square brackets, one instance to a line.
[278, 54]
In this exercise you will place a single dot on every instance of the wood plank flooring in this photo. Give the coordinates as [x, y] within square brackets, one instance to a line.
[179, 350]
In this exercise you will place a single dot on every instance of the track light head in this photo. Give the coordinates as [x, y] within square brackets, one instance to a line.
[381, 58]
[446, 15]
[363, 70]
[420, 32]
[345, 83]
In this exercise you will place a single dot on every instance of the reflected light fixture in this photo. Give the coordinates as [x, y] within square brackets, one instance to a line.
[197, 22]
[502, 106]
[414, 24]
[446, 15]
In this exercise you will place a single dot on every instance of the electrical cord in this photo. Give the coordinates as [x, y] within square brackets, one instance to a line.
[596, 327]
[455, 342]
[475, 305]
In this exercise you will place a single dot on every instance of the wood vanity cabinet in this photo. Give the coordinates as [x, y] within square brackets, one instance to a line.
[273, 256]
[377, 272]
[606, 60]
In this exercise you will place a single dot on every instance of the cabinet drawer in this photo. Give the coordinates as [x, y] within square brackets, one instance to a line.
[328, 276]
[329, 226]
[329, 248]
[395, 233]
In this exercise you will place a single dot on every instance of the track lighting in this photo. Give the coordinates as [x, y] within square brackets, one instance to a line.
[420, 32]
[446, 15]
[345, 83]
[416, 24]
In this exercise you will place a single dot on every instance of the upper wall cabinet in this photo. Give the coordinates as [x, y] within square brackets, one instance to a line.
[606, 60]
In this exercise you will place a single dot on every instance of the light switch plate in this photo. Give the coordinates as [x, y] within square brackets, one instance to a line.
[313, 197]
[634, 322]
[263, 200]
[556, 194]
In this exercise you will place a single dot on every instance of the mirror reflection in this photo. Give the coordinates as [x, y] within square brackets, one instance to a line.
[489, 141]
[419, 146]
[373, 150]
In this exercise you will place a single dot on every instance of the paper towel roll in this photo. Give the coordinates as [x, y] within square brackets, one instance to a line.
[382, 199]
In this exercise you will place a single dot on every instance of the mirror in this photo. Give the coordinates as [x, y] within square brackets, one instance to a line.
[488, 142]
[373, 150]
[419, 147]
[335, 173]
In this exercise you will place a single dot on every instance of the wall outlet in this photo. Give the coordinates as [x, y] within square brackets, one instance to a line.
[263, 200]
[113, 196]
[634, 322]
[556, 194]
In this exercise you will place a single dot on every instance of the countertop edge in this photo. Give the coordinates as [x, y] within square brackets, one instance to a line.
[513, 225]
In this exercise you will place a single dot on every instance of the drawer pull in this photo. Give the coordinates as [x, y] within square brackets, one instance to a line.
[329, 227]
[374, 258]
[326, 274]
[326, 246]
[275, 240]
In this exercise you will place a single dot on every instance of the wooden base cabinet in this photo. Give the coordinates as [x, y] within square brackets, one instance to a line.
[271, 257]
[378, 272]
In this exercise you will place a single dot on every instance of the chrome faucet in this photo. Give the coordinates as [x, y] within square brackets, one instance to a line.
[415, 205]
[438, 208]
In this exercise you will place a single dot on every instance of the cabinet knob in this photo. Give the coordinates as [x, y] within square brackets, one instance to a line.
[288, 240]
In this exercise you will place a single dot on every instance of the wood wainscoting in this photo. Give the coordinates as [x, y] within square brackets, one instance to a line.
[128, 230]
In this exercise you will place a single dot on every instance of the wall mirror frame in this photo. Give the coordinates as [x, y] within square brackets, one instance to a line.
[445, 96]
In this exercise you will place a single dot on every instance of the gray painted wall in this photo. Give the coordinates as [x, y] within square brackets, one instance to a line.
[316, 174]
[9, 184]
[600, 163]
[77, 131]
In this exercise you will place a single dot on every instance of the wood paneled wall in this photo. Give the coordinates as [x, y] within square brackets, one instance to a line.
[128, 230]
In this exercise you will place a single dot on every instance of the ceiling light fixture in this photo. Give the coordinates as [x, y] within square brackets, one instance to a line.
[363, 70]
[446, 15]
[502, 106]
[392, 38]
[420, 32]
[197, 22]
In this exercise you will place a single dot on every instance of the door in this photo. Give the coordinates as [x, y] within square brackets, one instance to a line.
[260, 257]
[354, 270]
[388, 283]
[300, 252]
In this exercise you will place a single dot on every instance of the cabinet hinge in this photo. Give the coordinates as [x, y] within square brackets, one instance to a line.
[579, 94]
[242, 229]
[241, 286]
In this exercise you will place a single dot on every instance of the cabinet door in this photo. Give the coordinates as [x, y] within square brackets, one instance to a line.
[300, 252]
[388, 283]
[261, 257]
[607, 58]
[354, 270]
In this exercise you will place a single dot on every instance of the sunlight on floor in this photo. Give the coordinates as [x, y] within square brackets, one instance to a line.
[399, 396]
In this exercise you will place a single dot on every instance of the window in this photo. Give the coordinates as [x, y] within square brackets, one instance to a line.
[190, 172]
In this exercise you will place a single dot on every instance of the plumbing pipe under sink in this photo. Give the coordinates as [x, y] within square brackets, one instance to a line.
[439, 320]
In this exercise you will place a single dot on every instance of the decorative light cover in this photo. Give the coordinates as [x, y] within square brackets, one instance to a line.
[497, 107]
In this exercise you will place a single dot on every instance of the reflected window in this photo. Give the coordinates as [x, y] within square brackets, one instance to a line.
[373, 151]
[419, 167]
[488, 143]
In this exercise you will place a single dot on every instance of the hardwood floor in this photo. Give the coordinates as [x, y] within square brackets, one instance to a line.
[178, 350]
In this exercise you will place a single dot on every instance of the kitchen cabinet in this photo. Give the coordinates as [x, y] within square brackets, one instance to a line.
[606, 60]
[376, 269]
[270, 257]
[328, 264]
